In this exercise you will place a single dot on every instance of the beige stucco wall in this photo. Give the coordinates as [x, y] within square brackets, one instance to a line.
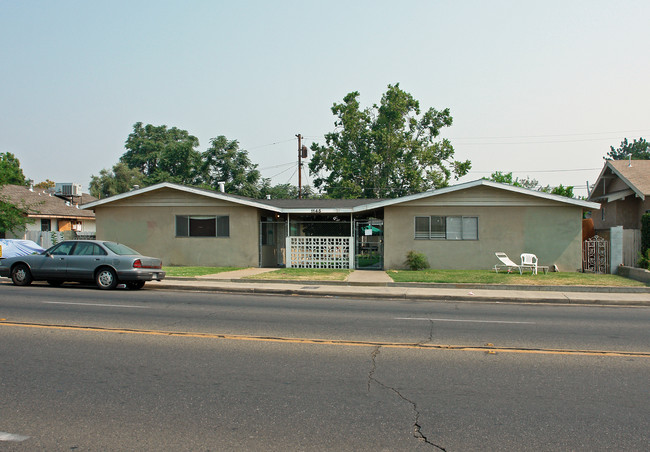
[507, 222]
[148, 224]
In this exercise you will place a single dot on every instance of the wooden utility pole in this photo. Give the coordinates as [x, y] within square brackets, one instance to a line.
[302, 154]
[299, 166]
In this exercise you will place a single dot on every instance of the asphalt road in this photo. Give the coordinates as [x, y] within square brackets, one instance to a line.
[82, 369]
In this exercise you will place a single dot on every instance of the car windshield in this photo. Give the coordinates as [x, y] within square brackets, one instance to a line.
[120, 249]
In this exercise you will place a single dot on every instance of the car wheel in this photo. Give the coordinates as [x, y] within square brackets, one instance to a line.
[106, 278]
[135, 285]
[21, 276]
[54, 282]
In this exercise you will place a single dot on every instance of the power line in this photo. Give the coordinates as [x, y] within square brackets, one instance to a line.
[548, 136]
[530, 142]
[277, 166]
[283, 171]
[540, 171]
[270, 144]
[292, 174]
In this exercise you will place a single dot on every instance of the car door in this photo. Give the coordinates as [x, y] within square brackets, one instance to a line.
[85, 258]
[53, 264]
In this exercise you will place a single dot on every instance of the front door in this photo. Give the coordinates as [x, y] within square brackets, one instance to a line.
[369, 244]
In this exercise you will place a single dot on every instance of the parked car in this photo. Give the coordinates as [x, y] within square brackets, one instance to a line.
[106, 263]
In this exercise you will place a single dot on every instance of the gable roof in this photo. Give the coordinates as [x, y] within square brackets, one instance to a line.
[43, 204]
[635, 174]
[337, 205]
[487, 183]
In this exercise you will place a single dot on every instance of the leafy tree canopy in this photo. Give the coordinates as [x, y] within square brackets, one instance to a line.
[225, 162]
[287, 191]
[531, 184]
[162, 154]
[638, 150]
[113, 182]
[12, 216]
[386, 151]
[10, 170]
[45, 184]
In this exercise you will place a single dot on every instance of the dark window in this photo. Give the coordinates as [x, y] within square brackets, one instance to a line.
[46, 225]
[88, 249]
[446, 228]
[119, 249]
[62, 249]
[202, 226]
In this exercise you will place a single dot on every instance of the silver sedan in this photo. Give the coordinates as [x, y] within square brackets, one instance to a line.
[106, 263]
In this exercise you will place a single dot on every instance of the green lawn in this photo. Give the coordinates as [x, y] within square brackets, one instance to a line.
[197, 271]
[490, 277]
[304, 274]
[427, 276]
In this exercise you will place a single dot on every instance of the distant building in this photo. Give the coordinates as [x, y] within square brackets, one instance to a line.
[54, 216]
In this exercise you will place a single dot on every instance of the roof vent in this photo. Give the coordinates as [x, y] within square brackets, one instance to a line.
[268, 196]
[222, 187]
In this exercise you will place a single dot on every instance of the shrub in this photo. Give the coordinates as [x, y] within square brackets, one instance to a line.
[645, 234]
[644, 260]
[416, 261]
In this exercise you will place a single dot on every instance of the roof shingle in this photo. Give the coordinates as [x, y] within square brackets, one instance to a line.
[44, 204]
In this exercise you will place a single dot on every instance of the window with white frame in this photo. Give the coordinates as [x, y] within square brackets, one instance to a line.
[446, 228]
[202, 226]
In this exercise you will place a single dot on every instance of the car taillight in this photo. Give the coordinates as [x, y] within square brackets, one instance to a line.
[137, 263]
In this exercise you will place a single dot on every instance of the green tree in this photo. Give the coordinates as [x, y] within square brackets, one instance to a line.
[507, 178]
[287, 191]
[12, 217]
[638, 150]
[46, 184]
[223, 161]
[386, 151]
[10, 170]
[531, 184]
[162, 154]
[113, 182]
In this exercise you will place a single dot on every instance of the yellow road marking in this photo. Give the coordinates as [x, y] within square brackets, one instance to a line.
[489, 348]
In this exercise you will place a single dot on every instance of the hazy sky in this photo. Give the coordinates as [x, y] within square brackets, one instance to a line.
[541, 89]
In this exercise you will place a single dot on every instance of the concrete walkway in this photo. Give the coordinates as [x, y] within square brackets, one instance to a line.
[378, 285]
[369, 277]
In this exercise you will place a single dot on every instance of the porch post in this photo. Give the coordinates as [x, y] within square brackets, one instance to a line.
[287, 243]
[353, 246]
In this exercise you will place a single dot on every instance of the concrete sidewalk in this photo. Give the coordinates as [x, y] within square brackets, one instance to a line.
[378, 285]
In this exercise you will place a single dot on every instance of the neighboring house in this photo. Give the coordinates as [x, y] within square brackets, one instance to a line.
[623, 191]
[49, 213]
[458, 227]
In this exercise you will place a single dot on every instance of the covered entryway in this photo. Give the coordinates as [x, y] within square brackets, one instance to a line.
[369, 244]
[273, 235]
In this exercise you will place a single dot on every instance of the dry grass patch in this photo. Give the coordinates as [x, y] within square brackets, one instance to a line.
[304, 274]
[197, 271]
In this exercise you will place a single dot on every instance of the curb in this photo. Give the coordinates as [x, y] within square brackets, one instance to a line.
[584, 289]
[400, 296]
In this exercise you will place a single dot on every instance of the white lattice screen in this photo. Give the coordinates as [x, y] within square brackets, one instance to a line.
[319, 252]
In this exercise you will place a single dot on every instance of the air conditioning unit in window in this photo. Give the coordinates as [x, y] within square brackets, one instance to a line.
[67, 189]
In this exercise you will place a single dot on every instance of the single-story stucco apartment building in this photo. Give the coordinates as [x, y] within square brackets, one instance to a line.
[457, 227]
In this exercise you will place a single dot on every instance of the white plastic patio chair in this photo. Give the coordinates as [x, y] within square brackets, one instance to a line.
[529, 261]
[506, 263]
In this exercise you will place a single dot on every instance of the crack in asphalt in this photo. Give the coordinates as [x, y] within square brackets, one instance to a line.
[417, 428]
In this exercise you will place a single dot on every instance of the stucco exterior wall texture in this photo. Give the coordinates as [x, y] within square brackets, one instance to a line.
[549, 230]
[152, 230]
